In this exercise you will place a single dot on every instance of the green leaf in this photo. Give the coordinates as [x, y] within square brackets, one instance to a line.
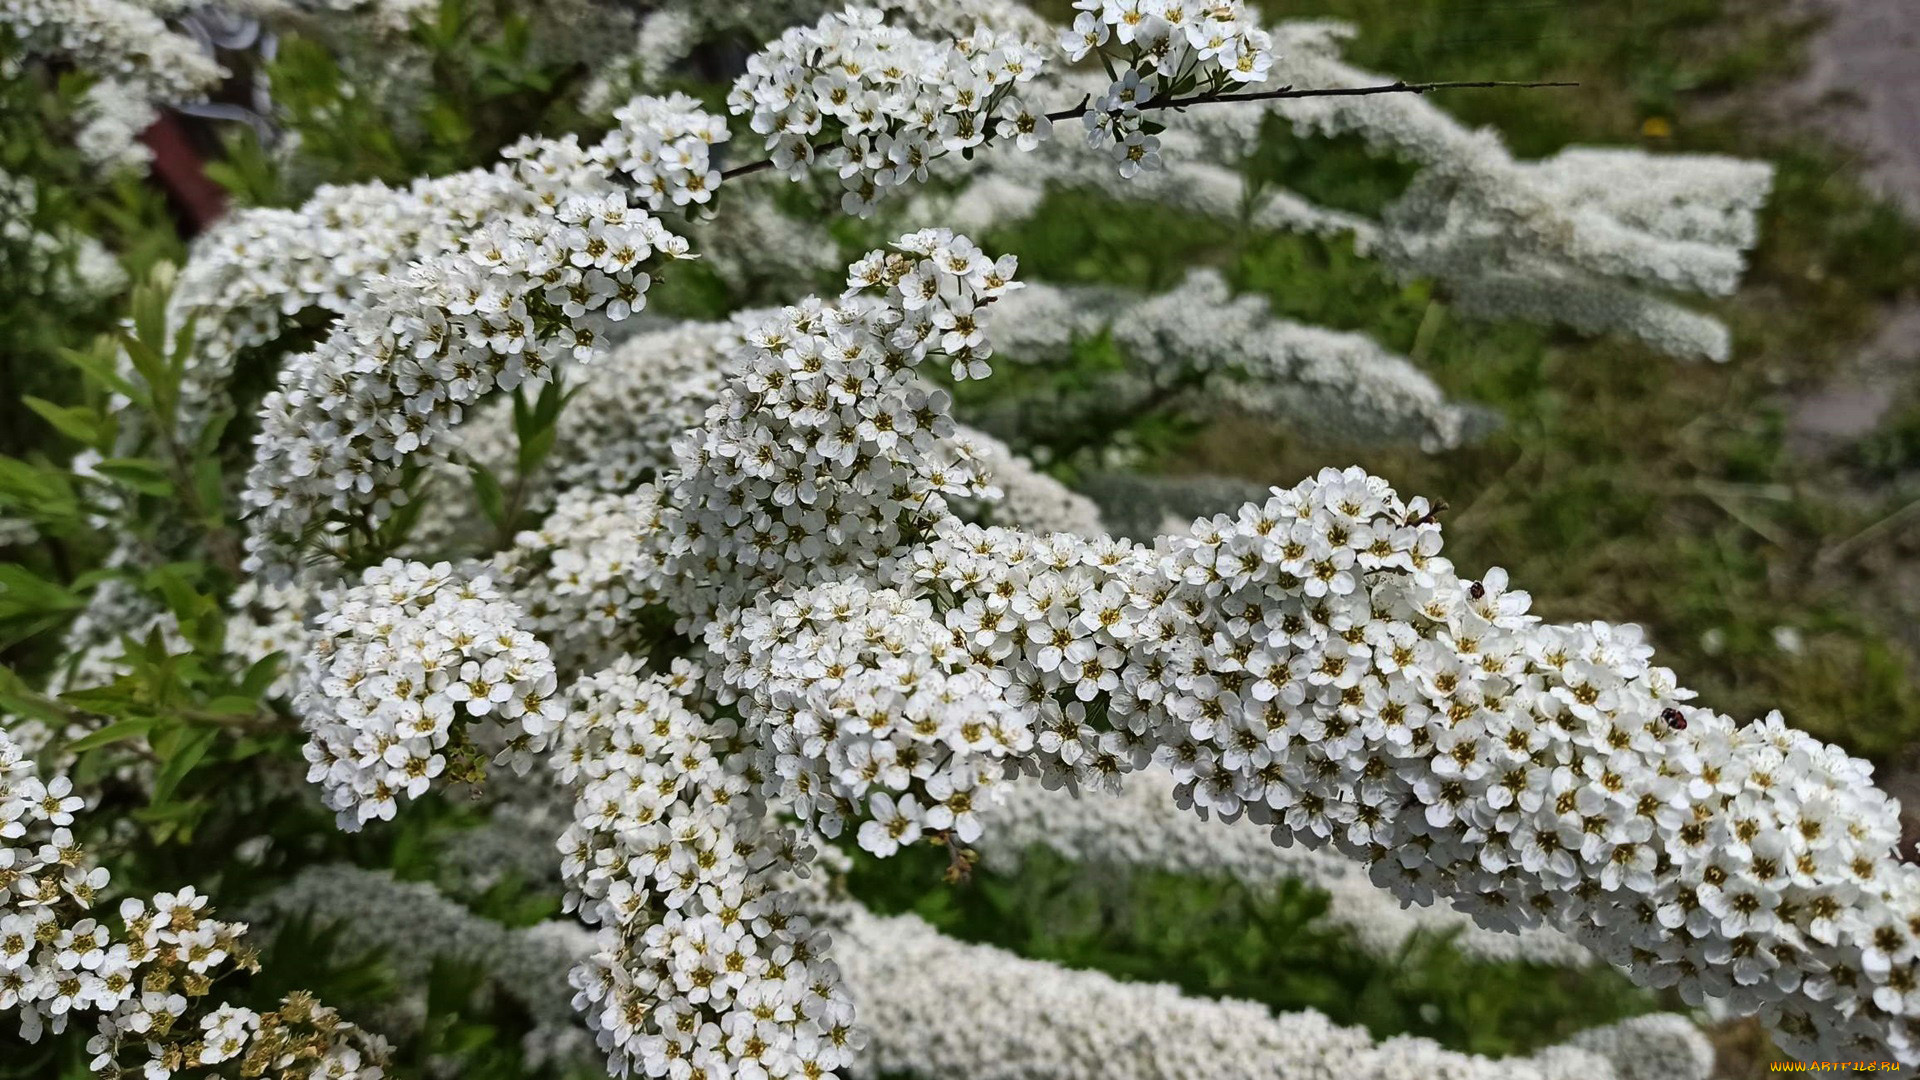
[486, 488]
[209, 486]
[183, 347]
[233, 705]
[173, 582]
[216, 426]
[151, 366]
[97, 364]
[42, 492]
[149, 306]
[119, 731]
[534, 449]
[260, 676]
[142, 475]
[110, 700]
[17, 697]
[188, 752]
[25, 594]
[76, 422]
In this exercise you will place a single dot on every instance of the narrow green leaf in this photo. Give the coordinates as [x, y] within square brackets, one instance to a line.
[260, 676]
[76, 422]
[189, 752]
[534, 450]
[486, 488]
[24, 593]
[233, 705]
[98, 366]
[216, 426]
[119, 731]
[144, 476]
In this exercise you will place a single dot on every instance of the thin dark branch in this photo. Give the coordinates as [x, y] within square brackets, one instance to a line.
[1350, 91]
[1284, 92]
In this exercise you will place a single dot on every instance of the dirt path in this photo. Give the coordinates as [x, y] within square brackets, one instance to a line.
[1865, 63]
[1862, 87]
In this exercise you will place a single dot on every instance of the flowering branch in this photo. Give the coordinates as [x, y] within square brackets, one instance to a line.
[1285, 92]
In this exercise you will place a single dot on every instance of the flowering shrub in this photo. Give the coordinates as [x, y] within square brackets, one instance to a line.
[407, 484]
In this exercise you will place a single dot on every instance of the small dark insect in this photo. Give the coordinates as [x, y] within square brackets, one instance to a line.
[1674, 719]
[1477, 591]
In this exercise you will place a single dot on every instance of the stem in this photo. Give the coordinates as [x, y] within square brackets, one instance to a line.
[222, 546]
[1218, 97]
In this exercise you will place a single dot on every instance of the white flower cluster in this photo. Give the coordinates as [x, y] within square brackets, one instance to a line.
[527, 291]
[414, 670]
[1166, 48]
[143, 972]
[826, 451]
[877, 104]
[862, 701]
[939, 1007]
[256, 270]
[590, 569]
[113, 39]
[1141, 827]
[663, 145]
[702, 965]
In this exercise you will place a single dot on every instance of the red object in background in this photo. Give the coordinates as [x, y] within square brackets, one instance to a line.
[177, 166]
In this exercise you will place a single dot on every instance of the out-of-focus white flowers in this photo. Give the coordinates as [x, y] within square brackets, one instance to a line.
[1142, 827]
[114, 39]
[1199, 348]
[939, 1007]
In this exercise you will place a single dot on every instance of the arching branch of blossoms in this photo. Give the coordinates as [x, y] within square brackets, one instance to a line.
[1219, 98]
